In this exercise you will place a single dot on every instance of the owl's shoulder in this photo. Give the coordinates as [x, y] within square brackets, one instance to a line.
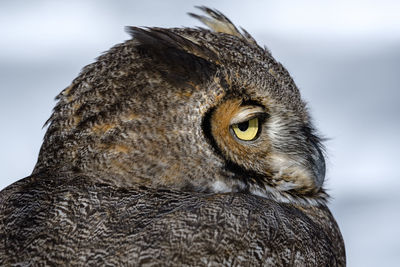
[69, 218]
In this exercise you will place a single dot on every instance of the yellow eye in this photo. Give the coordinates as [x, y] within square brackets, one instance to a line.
[246, 130]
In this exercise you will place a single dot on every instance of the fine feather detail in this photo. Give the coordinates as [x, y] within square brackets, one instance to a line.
[163, 38]
[218, 22]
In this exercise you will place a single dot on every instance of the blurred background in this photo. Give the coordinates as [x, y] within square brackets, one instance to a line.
[343, 55]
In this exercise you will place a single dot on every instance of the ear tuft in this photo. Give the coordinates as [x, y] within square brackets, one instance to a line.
[218, 22]
[174, 56]
[160, 38]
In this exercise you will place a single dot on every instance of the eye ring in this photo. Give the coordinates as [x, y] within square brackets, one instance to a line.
[246, 130]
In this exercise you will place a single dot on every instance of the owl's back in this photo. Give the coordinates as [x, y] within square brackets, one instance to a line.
[69, 219]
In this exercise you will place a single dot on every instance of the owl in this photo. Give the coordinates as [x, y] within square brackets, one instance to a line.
[178, 147]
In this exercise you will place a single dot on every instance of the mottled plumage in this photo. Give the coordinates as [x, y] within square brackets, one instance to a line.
[146, 161]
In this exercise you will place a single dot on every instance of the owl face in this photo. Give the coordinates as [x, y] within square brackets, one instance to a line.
[189, 109]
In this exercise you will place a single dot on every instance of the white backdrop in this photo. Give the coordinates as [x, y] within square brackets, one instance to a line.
[344, 56]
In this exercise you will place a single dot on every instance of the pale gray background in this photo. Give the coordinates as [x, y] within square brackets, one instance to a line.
[344, 56]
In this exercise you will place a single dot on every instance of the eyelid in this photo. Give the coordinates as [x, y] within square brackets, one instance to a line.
[247, 113]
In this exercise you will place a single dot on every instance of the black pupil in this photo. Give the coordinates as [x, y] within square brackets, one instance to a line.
[243, 126]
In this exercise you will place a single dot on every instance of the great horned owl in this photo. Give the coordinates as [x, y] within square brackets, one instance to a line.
[178, 147]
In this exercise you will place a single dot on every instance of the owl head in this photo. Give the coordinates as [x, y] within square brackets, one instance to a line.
[189, 109]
